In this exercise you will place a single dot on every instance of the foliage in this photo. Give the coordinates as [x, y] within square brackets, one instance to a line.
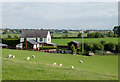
[47, 47]
[98, 46]
[9, 36]
[15, 36]
[90, 35]
[73, 49]
[79, 35]
[89, 46]
[103, 42]
[110, 46]
[110, 34]
[11, 42]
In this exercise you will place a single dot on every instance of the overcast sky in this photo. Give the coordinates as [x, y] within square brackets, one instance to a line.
[60, 15]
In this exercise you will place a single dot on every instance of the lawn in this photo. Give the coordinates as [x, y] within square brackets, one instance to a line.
[94, 67]
[88, 40]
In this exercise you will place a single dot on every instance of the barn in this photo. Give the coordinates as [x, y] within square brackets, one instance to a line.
[75, 43]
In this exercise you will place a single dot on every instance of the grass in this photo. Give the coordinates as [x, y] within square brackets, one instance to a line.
[94, 67]
[89, 40]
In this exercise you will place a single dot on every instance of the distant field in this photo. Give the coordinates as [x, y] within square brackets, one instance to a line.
[5, 35]
[89, 40]
[94, 68]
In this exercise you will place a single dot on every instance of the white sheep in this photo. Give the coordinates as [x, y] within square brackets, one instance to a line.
[28, 58]
[72, 67]
[54, 64]
[9, 56]
[33, 56]
[81, 61]
[13, 56]
[60, 65]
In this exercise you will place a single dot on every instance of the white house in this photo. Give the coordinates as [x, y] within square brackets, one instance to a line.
[35, 37]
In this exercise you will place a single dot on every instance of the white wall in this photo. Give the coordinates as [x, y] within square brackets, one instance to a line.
[28, 39]
[48, 37]
[21, 39]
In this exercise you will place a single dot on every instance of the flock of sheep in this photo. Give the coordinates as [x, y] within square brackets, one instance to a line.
[33, 56]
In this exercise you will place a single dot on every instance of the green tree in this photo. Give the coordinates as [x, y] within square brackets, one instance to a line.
[90, 35]
[9, 36]
[15, 36]
[89, 46]
[110, 46]
[110, 34]
[66, 35]
[73, 49]
[103, 42]
[79, 35]
[115, 35]
[97, 35]
[98, 46]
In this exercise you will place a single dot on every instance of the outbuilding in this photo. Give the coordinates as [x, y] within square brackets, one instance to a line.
[75, 43]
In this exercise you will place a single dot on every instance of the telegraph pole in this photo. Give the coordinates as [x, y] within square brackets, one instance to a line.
[82, 42]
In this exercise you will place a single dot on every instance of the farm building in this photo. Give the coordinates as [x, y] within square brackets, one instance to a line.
[75, 43]
[33, 39]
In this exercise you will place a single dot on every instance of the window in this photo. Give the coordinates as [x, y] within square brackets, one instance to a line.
[41, 39]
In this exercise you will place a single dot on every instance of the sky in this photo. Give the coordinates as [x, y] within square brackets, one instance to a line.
[60, 15]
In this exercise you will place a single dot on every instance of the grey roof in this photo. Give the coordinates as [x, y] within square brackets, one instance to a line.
[34, 34]
[74, 42]
[33, 42]
[3, 45]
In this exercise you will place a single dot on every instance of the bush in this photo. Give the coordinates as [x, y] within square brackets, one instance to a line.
[11, 42]
[88, 46]
[47, 47]
[110, 47]
[103, 42]
[98, 46]
[9, 36]
[73, 49]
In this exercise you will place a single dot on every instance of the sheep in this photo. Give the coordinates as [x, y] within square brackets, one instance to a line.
[9, 56]
[72, 67]
[81, 61]
[13, 56]
[60, 65]
[54, 64]
[33, 56]
[28, 58]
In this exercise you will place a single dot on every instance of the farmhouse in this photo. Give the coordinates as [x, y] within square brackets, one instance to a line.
[33, 39]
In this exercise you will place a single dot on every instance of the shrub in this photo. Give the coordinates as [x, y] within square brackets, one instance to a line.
[9, 36]
[98, 46]
[73, 49]
[110, 46]
[88, 47]
[11, 42]
[47, 47]
[103, 42]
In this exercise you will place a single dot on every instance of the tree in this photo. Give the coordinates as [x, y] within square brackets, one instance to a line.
[15, 36]
[117, 30]
[9, 36]
[89, 46]
[103, 42]
[110, 46]
[79, 35]
[115, 35]
[66, 35]
[90, 35]
[73, 49]
[110, 34]
[97, 35]
[52, 36]
[98, 46]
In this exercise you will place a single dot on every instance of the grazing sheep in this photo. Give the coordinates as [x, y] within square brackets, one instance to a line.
[28, 58]
[54, 64]
[9, 56]
[81, 61]
[33, 56]
[72, 67]
[60, 65]
[13, 56]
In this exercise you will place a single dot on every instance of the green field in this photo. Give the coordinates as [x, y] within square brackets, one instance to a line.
[88, 40]
[94, 67]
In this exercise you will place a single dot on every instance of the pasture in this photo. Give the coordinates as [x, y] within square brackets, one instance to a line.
[40, 68]
[87, 40]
